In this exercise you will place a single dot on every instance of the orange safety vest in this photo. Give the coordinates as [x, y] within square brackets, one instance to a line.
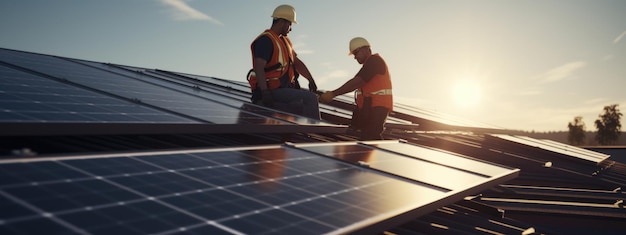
[379, 89]
[280, 63]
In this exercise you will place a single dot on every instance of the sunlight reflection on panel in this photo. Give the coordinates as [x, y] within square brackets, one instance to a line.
[419, 164]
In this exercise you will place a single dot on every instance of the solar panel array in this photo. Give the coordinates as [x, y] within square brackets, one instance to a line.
[289, 189]
[311, 188]
[333, 188]
[47, 89]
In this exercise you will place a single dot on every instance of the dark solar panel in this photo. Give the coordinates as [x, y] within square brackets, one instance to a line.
[556, 147]
[429, 167]
[217, 90]
[173, 81]
[50, 91]
[31, 98]
[258, 190]
[136, 87]
[237, 85]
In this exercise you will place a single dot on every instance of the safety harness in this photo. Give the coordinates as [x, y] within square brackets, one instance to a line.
[280, 63]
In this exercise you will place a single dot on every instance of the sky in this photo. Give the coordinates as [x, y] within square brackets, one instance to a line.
[521, 65]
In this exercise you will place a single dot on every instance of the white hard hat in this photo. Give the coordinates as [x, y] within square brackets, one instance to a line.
[357, 43]
[286, 12]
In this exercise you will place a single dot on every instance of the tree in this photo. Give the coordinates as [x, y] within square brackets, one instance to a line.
[576, 135]
[609, 126]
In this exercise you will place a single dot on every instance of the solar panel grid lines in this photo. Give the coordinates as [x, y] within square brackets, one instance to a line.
[111, 204]
[146, 75]
[31, 97]
[210, 188]
[292, 203]
[147, 198]
[321, 187]
[307, 174]
[42, 214]
[296, 203]
[119, 85]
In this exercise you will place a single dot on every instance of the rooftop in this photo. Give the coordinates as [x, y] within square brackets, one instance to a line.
[92, 147]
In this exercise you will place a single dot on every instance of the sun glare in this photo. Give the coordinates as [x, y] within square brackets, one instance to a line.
[466, 93]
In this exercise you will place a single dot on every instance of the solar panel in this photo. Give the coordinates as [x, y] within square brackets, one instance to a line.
[260, 190]
[443, 170]
[133, 87]
[119, 96]
[252, 113]
[174, 81]
[30, 98]
[556, 147]
[227, 92]
[237, 85]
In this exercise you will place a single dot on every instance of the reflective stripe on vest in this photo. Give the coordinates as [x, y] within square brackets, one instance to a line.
[379, 89]
[382, 98]
[379, 92]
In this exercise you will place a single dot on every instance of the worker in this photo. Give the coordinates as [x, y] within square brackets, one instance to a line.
[276, 66]
[372, 83]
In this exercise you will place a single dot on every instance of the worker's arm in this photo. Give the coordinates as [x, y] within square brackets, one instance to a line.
[304, 71]
[349, 86]
[259, 71]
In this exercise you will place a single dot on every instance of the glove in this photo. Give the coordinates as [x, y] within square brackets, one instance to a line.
[312, 86]
[327, 97]
[267, 99]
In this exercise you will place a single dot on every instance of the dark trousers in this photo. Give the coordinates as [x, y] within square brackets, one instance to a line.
[370, 121]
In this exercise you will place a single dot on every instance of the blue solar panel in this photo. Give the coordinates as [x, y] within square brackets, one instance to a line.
[332, 188]
[216, 91]
[260, 190]
[250, 190]
[126, 86]
[48, 89]
[31, 98]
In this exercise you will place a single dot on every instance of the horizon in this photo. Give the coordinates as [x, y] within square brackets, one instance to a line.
[529, 66]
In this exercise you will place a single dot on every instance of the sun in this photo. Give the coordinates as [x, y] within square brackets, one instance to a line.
[466, 93]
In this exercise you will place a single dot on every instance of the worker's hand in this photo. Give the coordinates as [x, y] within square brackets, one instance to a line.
[327, 97]
[312, 86]
[267, 99]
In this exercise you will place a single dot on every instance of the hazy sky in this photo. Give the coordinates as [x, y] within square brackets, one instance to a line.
[526, 65]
